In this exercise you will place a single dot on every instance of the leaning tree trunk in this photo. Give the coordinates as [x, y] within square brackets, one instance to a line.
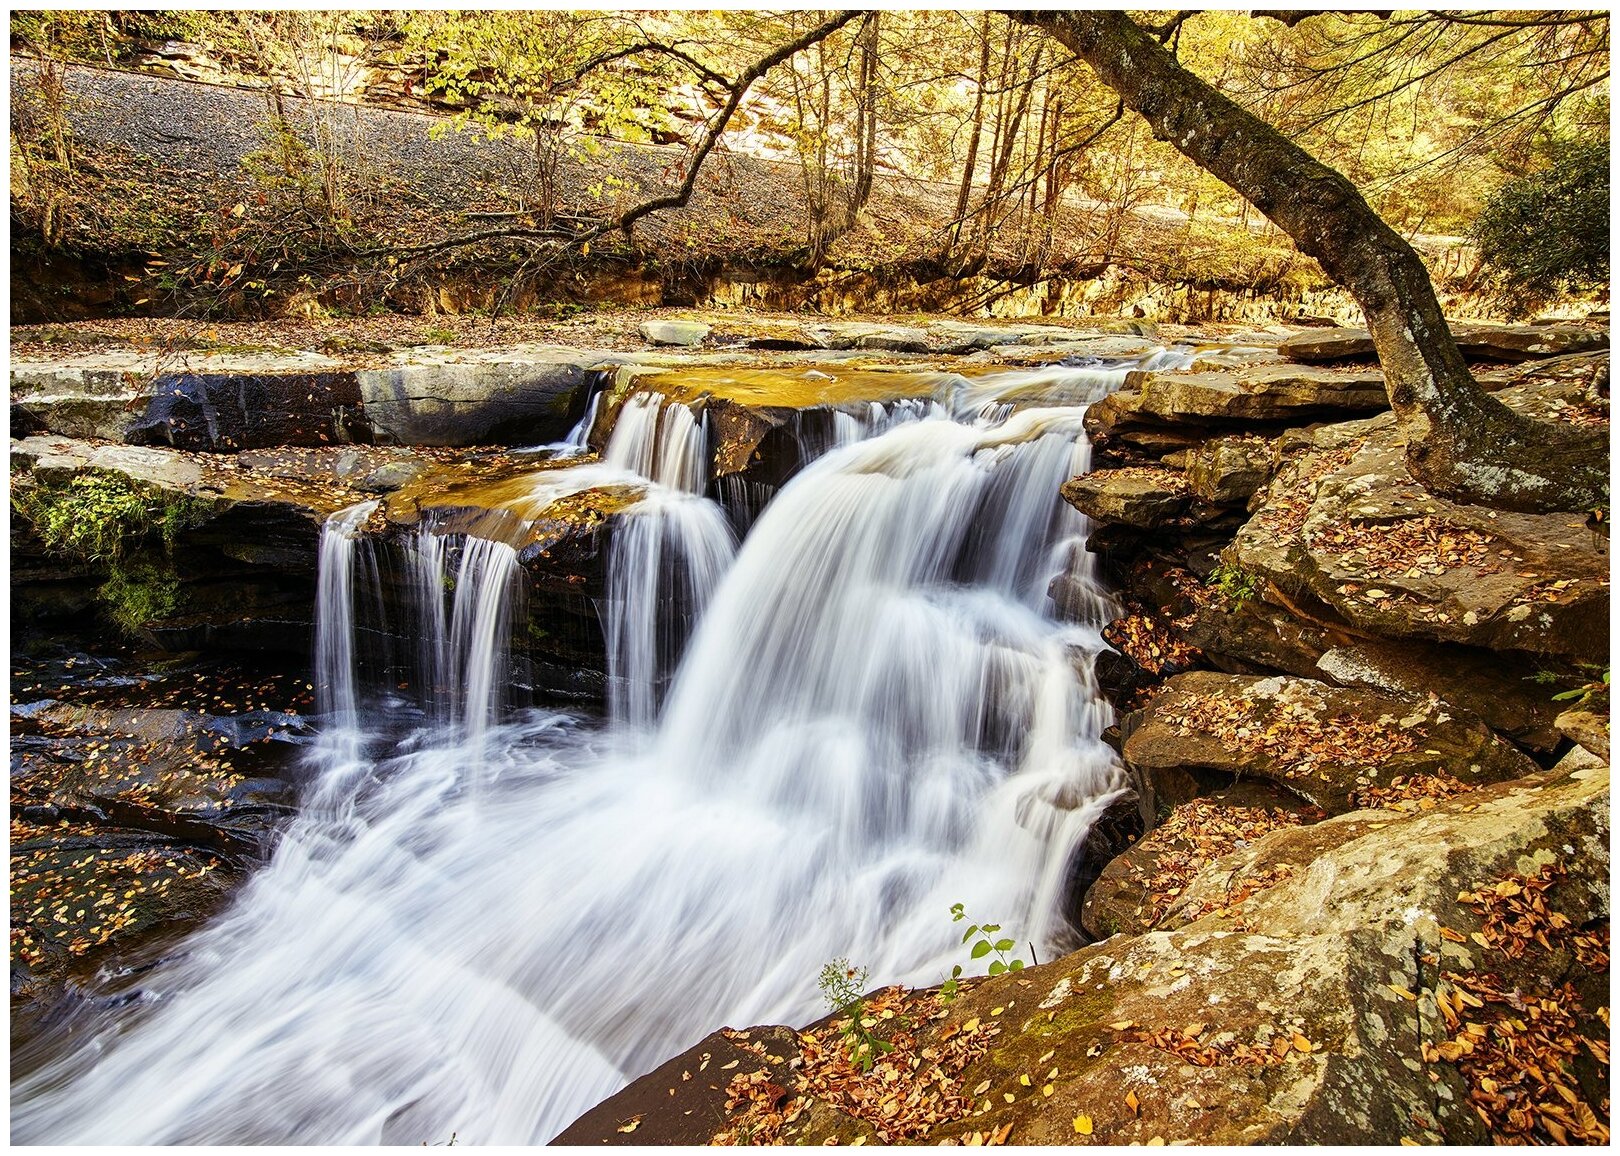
[1461, 442]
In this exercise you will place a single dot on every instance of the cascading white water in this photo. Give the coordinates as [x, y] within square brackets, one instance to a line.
[334, 636]
[463, 659]
[877, 717]
[667, 557]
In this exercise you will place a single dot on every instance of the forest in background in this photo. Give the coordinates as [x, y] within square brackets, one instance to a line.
[963, 141]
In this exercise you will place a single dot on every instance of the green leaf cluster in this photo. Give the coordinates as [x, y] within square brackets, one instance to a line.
[1548, 232]
[1593, 693]
[1236, 584]
[989, 941]
[842, 986]
[95, 515]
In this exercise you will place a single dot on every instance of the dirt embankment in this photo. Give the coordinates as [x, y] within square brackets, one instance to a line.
[182, 199]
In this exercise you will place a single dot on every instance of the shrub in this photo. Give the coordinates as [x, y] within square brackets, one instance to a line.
[842, 985]
[1547, 232]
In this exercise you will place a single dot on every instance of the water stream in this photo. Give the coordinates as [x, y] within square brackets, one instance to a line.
[485, 921]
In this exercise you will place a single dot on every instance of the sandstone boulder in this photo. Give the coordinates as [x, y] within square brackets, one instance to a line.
[1227, 471]
[1333, 747]
[674, 332]
[1260, 393]
[1141, 496]
[1244, 636]
[1345, 534]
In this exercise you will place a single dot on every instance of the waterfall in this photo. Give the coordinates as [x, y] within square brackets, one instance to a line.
[334, 611]
[666, 558]
[485, 930]
[462, 664]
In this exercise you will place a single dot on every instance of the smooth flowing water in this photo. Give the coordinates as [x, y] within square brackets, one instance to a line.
[484, 922]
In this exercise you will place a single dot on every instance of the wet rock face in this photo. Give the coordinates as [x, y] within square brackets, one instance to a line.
[234, 569]
[217, 413]
[135, 818]
[1347, 534]
[1330, 746]
[1303, 988]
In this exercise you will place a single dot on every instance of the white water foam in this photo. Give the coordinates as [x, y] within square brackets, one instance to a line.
[877, 717]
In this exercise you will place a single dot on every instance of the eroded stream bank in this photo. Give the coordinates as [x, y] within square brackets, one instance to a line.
[845, 639]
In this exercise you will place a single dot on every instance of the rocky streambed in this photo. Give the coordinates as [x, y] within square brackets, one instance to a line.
[1360, 837]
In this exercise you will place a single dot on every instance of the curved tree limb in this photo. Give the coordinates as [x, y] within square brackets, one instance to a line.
[1461, 442]
[713, 130]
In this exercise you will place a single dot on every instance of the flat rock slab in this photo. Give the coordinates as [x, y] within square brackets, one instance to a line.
[1145, 497]
[223, 403]
[1345, 528]
[194, 401]
[1258, 393]
[1331, 746]
[1499, 342]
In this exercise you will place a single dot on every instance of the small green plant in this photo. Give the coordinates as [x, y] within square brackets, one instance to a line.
[438, 336]
[985, 945]
[842, 986]
[93, 516]
[1593, 693]
[1234, 583]
[137, 594]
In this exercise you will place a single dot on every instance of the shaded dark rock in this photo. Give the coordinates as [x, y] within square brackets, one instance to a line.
[222, 413]
[683, 1101]
[1116, 830]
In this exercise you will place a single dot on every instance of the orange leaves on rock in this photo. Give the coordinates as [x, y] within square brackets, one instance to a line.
[1409, 792]
[1290, 730]
[1515, 912]
[1198, 1045]
[908, 1093]
[1413, 547]
[1291, 496]
[1150, 641]
[1518, 1047]
[1194, 836]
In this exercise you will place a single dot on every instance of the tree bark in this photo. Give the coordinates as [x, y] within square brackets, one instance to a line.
[1461, 442]
[972, 162]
